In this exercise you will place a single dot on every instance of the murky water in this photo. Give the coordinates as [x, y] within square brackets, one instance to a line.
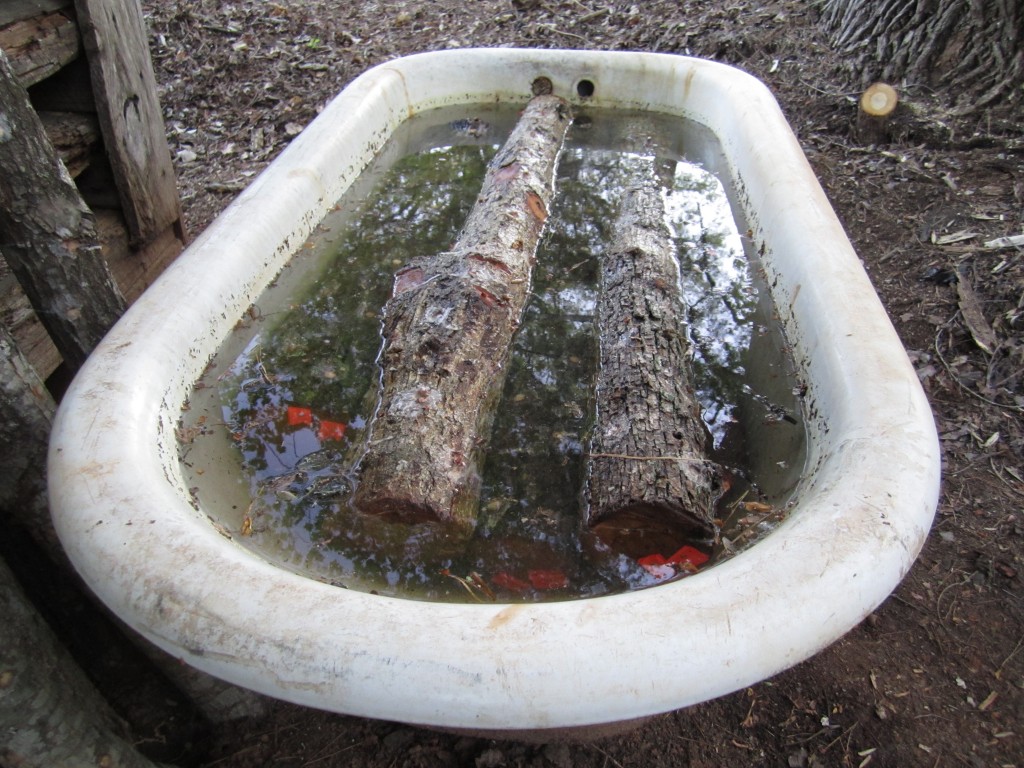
[277, 422]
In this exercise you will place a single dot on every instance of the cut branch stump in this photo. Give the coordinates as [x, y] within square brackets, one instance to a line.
[649, 478]
[448, 329]
[877, 105]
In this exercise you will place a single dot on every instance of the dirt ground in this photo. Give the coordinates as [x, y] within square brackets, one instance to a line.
[935, 677]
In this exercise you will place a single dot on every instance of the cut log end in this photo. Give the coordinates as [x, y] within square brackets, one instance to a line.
[877, 106]
[645, 528]
[399, 510]
[879, 100]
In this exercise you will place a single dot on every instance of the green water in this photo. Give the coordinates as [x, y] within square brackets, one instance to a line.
[277, 422]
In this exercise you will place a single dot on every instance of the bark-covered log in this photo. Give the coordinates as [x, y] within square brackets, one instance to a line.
[448, 328]
[649, 478]
[973, 48]
[47, 233]
[26, 415]
[49, 713]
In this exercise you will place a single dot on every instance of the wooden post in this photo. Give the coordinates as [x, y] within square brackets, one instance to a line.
[47, 233]
[448, 328]
[117, 47]
[649, 479]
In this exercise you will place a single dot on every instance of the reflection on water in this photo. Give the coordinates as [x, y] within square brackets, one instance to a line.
[278, 422]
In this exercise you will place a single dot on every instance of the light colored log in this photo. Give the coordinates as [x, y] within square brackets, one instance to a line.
[448, 328]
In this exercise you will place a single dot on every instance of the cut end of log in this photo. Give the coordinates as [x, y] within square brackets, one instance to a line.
[645, 528]
[398, 510]
[407, 512]
[879, 100]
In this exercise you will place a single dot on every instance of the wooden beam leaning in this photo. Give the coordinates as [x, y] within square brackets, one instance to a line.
[48, 234]
[117, 47]
[448, 328]
[650, 484]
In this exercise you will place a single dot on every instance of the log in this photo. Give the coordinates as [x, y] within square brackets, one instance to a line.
[650, 485]
[50, 715]
[26, 416]
[48, 233]
[448, 328]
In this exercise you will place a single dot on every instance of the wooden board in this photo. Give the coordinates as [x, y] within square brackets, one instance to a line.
[116, 44]
[40, 46]
[19, 10]
[73, 135]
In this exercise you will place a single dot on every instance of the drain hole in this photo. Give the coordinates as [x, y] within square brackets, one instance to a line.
[542, 86]
[585, 88]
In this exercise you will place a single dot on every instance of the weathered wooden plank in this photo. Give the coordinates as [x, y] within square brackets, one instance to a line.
[134, 270]
[19, 10]
[448, 328]
[47, 231]
[73, 135]
[29, 334]
[116, 44]
[649, 480]
[40, 46]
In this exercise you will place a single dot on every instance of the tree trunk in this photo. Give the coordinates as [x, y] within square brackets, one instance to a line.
[975, 48]
[650, 484]
[448, 328]
[47, 233]
[49, 713]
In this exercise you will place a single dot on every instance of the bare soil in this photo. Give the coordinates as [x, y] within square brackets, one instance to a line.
[935, 677]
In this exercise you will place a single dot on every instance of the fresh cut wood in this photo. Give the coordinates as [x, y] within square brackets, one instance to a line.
[650, 483]
[448, 329]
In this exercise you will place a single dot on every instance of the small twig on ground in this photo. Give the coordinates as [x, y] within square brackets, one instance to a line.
[607, 757]
[557, 31]
[956, 379]
[999, 670]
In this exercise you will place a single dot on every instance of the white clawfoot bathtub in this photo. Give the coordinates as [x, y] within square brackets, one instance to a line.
[123, 512]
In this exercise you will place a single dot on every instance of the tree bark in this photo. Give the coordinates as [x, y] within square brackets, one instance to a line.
[26, 415]
[47, 233]
[974, 48]
[49, 713]
[649, 478]
[448, 329]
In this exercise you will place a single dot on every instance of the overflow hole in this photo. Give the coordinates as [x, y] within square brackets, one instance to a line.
[585, 88]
